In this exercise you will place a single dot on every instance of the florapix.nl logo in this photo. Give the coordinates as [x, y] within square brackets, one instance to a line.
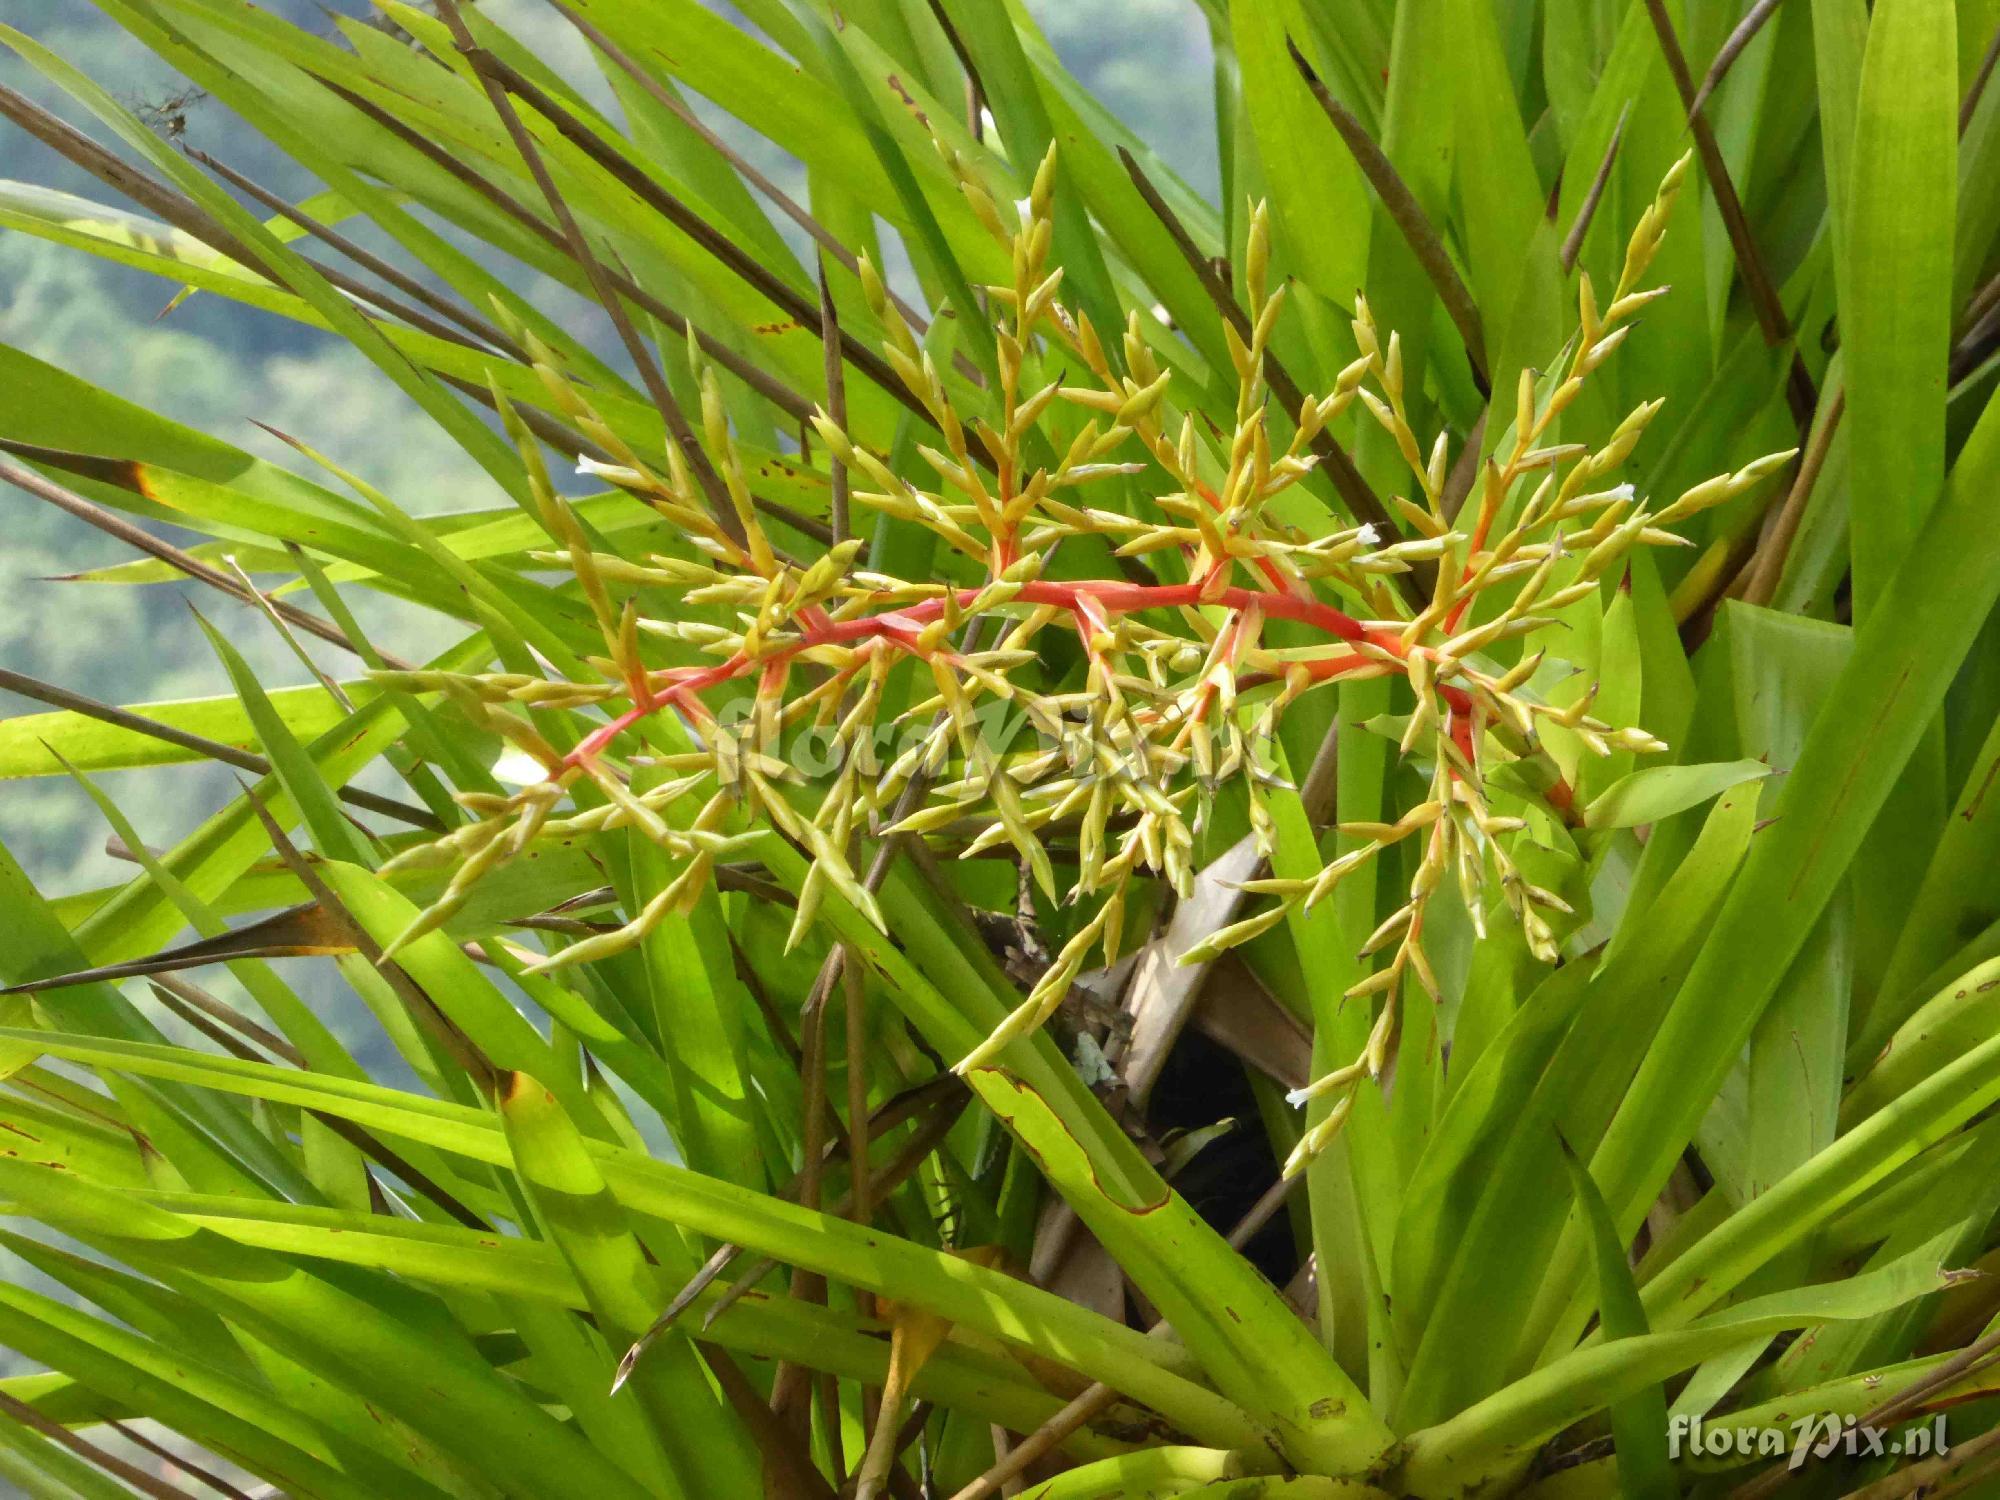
[1818, 1436]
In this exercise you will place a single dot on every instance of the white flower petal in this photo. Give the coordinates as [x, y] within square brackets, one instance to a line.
[518, 768]
[615, 473]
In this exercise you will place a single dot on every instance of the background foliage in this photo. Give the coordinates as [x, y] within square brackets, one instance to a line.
[359, 1226]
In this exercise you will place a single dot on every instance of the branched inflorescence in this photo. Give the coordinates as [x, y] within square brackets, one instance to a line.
[1182, 689]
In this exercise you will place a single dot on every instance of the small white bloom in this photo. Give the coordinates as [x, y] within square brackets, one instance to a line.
[1368, 536]
[987, 124]
[1160, 312]
[614, 473]
[1025, 207]
[518, 768]
[1299, 1098]
[1620, 492]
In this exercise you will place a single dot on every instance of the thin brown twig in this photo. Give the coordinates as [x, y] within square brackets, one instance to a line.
[861, 1208]
[89, 1452]
[229, 755]
[925, 1139]
[742, 165]
[1977, 88]
[114, 172]
[445, 307]
[1572, 245]
[171, 989]
[861, 1186]
[730, 255]
[776, 392]
[806, 1285]
[357, 1136]
[836, 405]
[187, 1466]
[1961, 1483]
[959, 50]
[1974, 1356]
[774, 1023]
[789, 1383]
[184, 214]
[462, 1049]
[328, 684]
[1465, 469]
[1973, 349]
[1904, 1403]
[1981, 302]
[1767, 566]
[1917, 1478]
[789, 1473]
[1756, 279]
[892, 1113]
[561, 438]
[1407, 214]
[144, 541]
[787, 1380]
[594, 271]
[206, 1025]
[1732, 48]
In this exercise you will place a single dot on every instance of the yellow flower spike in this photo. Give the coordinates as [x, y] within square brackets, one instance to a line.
[1318, 1138]
[1257, 251]
[1236, 934]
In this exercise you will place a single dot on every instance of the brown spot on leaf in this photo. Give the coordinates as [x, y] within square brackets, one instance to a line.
[909, 103]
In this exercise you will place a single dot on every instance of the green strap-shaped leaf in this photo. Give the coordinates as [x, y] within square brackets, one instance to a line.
[38, 744]
[708, 1452]
[441, 1388]
[1657, 792]
[1149, 1370]
[333, 835]
[524, 1271]
[231, 1415]
[1878, 711]
[1638, 1421]
[1895, 293]
[1317, 193]
[1453, 1457]
[699, 1006]
[1252, 1349]
[1471, 1332]
[140, 918]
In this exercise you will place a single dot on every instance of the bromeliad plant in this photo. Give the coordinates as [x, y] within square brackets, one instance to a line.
[953, 754]
[1165, 713]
